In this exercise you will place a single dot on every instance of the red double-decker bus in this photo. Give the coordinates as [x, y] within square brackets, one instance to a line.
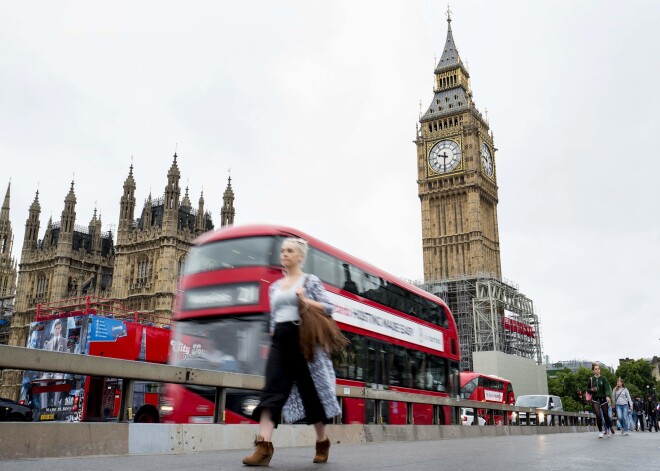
[487, 388]
[99, 327]
[401, 337]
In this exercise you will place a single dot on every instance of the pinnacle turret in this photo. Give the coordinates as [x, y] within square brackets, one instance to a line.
[451, 89]
[227, 212]
[172, 191]
[185, 203]
[201, 216]
[127, 203]
[129, 183]
[450, 57]
[6, 234]
[69, 212]
[4, 213]
[35, 206]
[32, 225]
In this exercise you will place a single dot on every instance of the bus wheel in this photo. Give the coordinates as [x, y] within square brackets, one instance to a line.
[147, 415]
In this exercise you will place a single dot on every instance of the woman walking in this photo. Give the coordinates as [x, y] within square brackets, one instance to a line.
[623, 402]
[600, 398]
[295, 390]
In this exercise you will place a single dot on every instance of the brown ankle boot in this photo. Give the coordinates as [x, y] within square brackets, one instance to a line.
[262, 454]
[322, 451]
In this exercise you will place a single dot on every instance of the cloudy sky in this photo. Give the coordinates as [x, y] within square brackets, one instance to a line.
[313, 106]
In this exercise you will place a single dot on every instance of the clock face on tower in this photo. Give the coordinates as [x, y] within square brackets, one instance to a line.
[486, 160]
[444, 156]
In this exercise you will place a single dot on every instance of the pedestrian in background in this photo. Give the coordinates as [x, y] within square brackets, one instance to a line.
[632, 418]
[638, 407]
[600, 391]
[651, 413]
[622, 402]
[295, 389]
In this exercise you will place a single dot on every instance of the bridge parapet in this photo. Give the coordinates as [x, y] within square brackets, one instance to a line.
[129, 371]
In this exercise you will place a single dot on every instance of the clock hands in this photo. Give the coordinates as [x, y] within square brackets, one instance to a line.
[444, 161]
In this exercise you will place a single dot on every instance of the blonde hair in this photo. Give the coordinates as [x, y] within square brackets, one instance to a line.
[301, 245]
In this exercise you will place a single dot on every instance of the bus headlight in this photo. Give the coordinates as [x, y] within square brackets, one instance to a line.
[166, 408]
[249, 405]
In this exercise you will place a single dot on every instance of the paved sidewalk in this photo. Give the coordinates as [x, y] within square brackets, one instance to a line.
[579, 451]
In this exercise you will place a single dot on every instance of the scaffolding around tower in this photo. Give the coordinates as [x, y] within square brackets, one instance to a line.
[491, 314]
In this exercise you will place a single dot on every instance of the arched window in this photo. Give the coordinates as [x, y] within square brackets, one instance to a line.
[143, 270]
[42, 287]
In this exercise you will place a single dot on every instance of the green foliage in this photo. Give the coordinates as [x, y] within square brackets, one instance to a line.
[572, 405]
[571, 387]
[568, 386]
[637, 376]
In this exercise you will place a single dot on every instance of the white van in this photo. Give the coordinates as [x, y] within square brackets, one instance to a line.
[538, 401]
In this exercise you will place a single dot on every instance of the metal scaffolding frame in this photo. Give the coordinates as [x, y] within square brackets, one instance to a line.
[491, 314]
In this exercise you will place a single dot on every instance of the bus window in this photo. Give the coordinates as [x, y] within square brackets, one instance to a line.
[466, 391]
[398, 376]
[232, 253]
[349, 362]
[351, 279]
[325, 266]
[437, 372]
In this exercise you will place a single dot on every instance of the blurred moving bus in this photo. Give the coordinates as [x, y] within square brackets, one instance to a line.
[401, 337]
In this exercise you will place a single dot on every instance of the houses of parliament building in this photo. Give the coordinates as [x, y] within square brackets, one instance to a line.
[140, 269]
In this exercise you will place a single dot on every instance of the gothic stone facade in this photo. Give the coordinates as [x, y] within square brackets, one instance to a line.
[141, 270]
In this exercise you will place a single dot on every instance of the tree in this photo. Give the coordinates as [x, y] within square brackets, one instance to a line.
[637, 376]
[569, 386]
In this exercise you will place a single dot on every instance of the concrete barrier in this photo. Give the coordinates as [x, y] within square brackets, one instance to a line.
[42, 440]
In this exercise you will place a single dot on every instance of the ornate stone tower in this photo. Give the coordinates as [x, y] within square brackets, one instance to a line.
[150, 250]
[457, 180]
[227, 212]
[7, 269]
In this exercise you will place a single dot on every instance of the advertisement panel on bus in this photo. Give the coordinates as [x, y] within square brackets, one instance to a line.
[67, 397]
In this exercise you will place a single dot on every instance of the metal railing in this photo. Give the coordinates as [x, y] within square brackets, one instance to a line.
[20, 358]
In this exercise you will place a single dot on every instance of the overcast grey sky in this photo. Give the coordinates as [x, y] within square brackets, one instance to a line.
[313, 106]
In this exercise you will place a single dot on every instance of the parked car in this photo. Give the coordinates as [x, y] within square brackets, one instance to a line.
[12, 411]
[542, 402]
[467, 417]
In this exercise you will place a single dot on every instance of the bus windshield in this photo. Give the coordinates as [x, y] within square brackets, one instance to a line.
[231, 253]
[238, 345]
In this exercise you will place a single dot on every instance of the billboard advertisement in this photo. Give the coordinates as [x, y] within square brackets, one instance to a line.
[56, 396]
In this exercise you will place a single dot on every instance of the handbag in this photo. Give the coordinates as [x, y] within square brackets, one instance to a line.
[316, 328]
[588, 395]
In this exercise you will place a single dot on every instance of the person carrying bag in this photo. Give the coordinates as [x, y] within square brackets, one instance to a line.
[299, 387]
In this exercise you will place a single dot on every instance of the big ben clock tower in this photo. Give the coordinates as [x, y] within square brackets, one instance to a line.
[457, 178]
